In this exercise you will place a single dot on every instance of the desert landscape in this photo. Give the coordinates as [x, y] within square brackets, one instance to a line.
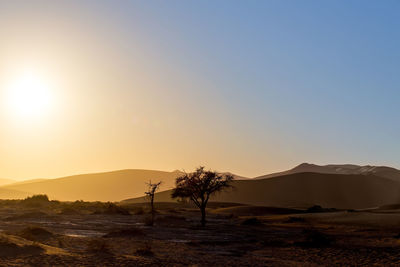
[199, 133]
[357, 227]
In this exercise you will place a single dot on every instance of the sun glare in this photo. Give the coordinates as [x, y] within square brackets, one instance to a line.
[29, 96]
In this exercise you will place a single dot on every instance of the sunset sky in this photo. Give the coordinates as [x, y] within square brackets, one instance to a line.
[249, 87]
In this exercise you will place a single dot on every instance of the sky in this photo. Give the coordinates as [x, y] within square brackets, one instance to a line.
[250, 87]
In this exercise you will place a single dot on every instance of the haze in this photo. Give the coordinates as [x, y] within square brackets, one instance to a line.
[249, 87]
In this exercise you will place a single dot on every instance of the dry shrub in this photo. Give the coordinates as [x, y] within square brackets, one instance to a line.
[36, 201]
[37, 198]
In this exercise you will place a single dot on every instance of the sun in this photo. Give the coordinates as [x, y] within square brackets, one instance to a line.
[29, 96]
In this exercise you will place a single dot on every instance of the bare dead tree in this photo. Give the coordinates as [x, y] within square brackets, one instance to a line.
[152, 189]
[199, 186]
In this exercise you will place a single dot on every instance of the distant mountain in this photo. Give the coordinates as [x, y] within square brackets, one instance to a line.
[108, 186]
[348, 191]
[381, 171]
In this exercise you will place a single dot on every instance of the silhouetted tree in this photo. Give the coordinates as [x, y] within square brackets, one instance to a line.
[199, 186]
[152, 189]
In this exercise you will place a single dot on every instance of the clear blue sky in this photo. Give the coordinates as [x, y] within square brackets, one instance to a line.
[322, 77]
[279, 82]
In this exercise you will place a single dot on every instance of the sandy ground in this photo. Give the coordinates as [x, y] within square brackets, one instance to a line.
[58, 234]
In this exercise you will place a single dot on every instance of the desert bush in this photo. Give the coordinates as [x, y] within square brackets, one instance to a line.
[36, 200]
[146, 250]
[252, 221]
[98, 246]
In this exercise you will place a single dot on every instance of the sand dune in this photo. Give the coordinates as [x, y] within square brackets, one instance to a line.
[109, 186]
[6, 181]
[307, 189]
[381, 171]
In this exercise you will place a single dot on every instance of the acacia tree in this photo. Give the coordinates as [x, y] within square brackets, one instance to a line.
[199, 186]
[152, 189]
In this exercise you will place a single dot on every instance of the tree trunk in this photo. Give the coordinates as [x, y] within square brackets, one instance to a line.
[152, 210]
[203, 216]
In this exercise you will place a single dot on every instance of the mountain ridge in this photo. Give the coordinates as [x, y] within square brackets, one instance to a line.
[382, 171]
[302, 190]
